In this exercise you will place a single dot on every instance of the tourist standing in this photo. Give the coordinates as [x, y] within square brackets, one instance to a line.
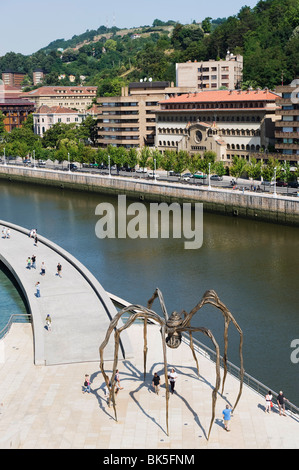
[281, 403]
[59, 269]
[156, 383]
[33, 261]
[43, 269]
[86, 384]
[269, 403]
[48, 322]
[226, 413]
[172, 379]
[37, 285]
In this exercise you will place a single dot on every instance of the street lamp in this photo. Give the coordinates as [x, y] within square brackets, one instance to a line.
[68, 159]
[209, 187]
[33, 158]
[109, 166]
[274, 193]
[155, 169]
[4, 156]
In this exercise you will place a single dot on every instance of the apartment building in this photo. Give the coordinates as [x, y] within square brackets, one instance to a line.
[129, 120]
[38, 76]
[211, 74]
[287, 125]
[75, 97]
[12, 78]
[228, 122]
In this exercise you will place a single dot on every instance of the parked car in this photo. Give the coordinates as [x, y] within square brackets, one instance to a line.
[186, 176]
[199, 175]
[151, 174]
[281, 184]
[27, 161]
[41, 163]
[141, 170]
[216, 177]
[293, 184]
[73, 167]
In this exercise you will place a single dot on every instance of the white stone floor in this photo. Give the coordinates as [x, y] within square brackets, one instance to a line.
[44, 407]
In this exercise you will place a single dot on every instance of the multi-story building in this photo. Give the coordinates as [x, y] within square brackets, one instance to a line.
[14, 108]
[75, 97]
[129, 120]
[12, 78]
[45, 117]
[287, 127]
[227, 122]
[211, 74]
[38, 76]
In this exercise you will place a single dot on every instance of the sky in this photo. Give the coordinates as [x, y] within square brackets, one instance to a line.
[29, 25]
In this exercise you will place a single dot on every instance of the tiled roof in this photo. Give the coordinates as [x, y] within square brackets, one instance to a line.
[63, 90]
[55, 110]
[222, 96]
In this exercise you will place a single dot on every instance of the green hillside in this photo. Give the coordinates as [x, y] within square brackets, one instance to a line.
[266, 35]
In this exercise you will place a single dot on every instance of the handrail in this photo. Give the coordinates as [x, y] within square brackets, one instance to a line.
[15, 318]
[208, 353]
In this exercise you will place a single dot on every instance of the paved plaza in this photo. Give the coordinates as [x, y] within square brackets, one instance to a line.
[44, 407]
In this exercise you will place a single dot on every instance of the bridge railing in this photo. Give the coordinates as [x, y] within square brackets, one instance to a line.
[14, 318]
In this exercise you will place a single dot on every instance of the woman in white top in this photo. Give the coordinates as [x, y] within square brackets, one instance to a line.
[268, 402]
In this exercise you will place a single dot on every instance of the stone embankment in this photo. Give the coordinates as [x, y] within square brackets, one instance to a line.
[252, 205]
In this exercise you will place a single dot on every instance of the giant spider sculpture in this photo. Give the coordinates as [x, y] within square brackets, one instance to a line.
[172, 328]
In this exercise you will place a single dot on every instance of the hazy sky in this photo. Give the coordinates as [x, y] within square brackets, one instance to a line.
[28, 25]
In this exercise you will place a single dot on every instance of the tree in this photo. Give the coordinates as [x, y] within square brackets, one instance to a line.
[254, 169]
[144, 156]
[168, 160]
[238, 167]
[180, 162]
[206, 25]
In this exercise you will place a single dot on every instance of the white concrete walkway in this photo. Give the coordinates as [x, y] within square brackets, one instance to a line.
[77, 303]
[44, 407]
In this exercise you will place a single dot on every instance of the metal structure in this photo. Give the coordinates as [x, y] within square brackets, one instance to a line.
[172, 328]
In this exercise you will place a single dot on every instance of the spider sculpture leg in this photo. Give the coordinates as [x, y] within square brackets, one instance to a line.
[140, 313]
[191, 345]
[210, 335]
[210, 297]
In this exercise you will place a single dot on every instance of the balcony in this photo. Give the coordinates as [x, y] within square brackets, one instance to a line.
[288, 112]
[284, 135]
[281, 145]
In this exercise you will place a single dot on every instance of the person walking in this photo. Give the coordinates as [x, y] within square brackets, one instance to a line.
[156, 383]
[28, 262]
[43, 269]
[8, 233]
[48, 322]
[269, 403]
[226, 413]
[33, 261]
[37, 285]
[117, 381]
[59, 269]
[172, 379]
[281, 403]
[35, 240]
[86, 384]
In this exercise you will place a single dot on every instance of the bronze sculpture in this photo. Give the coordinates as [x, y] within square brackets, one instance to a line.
[172, 328]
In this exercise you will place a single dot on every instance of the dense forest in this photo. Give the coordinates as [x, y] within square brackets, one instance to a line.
[267, 35]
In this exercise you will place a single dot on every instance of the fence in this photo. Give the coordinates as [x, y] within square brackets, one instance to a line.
[250, 381]
[15, 318]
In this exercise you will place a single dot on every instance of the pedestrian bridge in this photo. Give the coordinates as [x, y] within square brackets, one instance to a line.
[80, 308]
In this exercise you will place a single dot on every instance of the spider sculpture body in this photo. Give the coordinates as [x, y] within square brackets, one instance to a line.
[171, 330]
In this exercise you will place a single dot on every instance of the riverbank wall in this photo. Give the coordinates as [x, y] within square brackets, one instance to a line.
[257, 206]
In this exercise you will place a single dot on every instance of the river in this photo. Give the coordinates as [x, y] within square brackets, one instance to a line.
[253, 267]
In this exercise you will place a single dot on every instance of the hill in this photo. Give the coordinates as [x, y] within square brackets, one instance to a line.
[267, 35]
